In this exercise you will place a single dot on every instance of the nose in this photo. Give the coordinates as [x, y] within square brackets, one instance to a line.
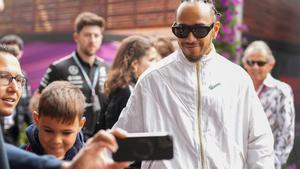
[191, 37]
[13, 86]
[93, 38]
[57, 139]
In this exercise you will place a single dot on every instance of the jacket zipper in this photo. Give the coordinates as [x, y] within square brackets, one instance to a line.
[150, 165]
[199, 117]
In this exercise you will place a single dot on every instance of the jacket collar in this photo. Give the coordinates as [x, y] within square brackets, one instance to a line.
[204, 59]
[269, 81]
[96, 63]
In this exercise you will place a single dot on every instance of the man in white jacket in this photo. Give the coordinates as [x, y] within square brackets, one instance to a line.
[207, 103]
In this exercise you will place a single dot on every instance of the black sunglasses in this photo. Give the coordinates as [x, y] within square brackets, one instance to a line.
[198, 30]
[259, 63]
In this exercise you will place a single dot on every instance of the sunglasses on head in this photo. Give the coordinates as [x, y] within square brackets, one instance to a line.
[259, 63]
[198, 30]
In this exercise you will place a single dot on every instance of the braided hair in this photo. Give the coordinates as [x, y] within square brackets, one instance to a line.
[211, 2]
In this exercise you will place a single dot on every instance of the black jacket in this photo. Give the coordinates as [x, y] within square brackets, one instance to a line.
[110, 113]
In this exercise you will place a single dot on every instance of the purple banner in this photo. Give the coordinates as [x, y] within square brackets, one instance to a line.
[39, 55]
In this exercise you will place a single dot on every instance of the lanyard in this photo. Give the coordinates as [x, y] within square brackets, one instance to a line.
[86, 77]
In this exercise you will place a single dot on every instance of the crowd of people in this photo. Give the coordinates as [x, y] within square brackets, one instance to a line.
[220, 114]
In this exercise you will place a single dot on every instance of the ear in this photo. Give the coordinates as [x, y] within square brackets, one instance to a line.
[135, 65]
[271, 66]
[36, 118]
[216, 28]
[20, 54]
[82, 122]
[75, 36]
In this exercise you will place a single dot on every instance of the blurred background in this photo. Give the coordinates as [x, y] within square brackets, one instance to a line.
[47, 26]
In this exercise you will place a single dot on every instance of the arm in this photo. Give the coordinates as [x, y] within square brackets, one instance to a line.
[285, 132]
[260, 153]
[19, 158]
[91, 156]
[131, 118]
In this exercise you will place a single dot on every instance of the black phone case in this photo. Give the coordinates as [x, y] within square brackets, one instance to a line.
[144, 148]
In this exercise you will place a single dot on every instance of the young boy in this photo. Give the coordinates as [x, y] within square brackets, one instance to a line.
[58, 122]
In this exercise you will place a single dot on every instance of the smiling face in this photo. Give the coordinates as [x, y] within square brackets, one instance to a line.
[258, 72]
[55, 136]
[191, 14]
[9, 94]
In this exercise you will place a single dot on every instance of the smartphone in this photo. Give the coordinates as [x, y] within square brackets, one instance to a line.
[144, 146]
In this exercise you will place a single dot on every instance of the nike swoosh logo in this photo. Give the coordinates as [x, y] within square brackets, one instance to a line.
[211, 87]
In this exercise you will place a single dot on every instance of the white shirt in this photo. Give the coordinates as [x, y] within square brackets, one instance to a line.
[228, 119]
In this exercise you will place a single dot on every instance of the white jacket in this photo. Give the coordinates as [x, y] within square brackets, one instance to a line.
[224, 128]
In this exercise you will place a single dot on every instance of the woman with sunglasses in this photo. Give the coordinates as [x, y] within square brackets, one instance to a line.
[275, 96]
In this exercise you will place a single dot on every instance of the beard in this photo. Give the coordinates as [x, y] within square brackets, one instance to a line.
[193, 59]
[203, 48]
[88, 52]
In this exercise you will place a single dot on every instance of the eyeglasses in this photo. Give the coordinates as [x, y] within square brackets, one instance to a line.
[198, 30]
[6, 78]
[259, 63]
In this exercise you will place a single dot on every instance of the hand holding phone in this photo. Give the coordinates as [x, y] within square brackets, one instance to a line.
[144, 146]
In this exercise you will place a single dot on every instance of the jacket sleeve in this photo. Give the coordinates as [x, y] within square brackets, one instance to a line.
[260, 154]
[132, 116]
[19, 158]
